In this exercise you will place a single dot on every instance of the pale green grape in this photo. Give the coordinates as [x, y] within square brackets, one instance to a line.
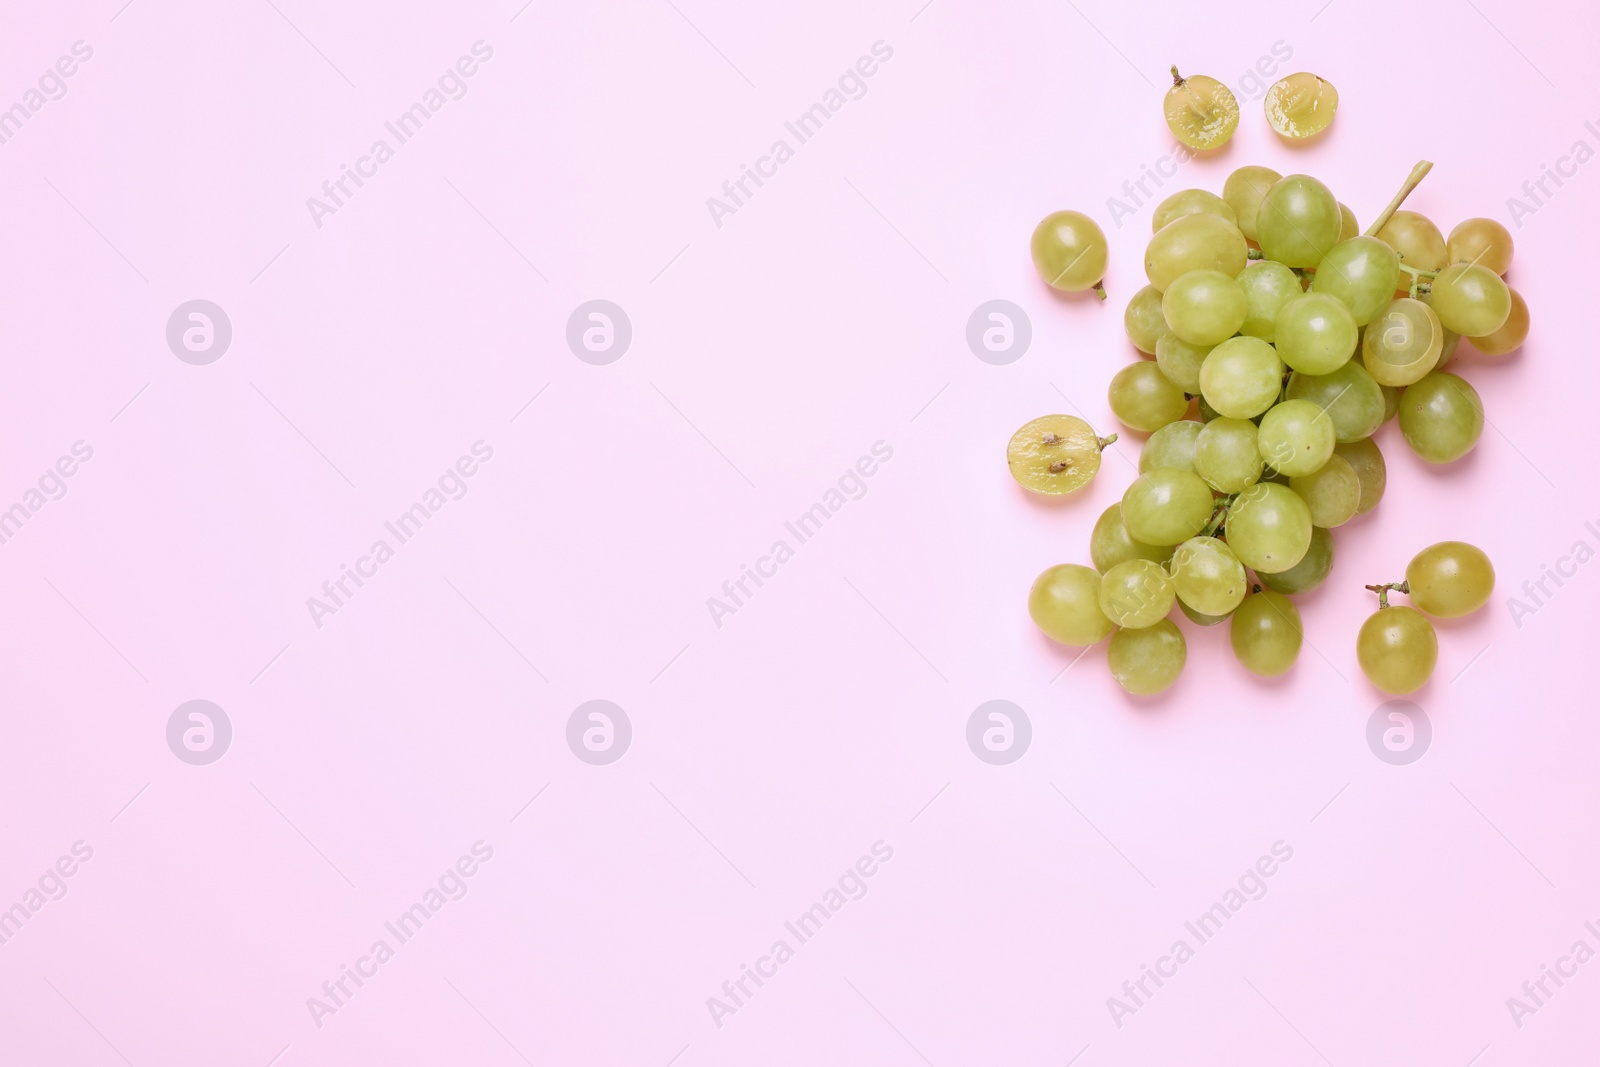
[1348, 226]
[1194, 242]
[1266, 633]
[1449, 579]
[1298, 221]
[1362, 273]
[1481, 241]
[1147, 660]
[1143, 320]
[1180, 361]
[1206, 411]
[1244, 191]
[1309, 572]
[1136, 593]
[1171, 446]
[1350, 397]
[1403, 343]
[1204, 307]
[1241, 377]
[1201, 111]
[1065, 603]
[1167, 506]
[1200, 619]
[1296, 437]
[1142, 397]
[1453, 340]
[1207, 576]
[1300, 106]
[1470, 300]
[1226, 456]
[1269, 528]
[1316, 334]
[1366, 459]
[1267, 287]
[1417, 240]
[1509, 337]
[1397, 649]
[1069, 251]
[1191, 202]
[1331, 494]
[1441, 417]
[1111, 544]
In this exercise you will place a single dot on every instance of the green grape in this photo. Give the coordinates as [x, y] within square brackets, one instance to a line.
[1055, 454]
[1481, 241]
[1207, 576]
[1269, 528]
[1171, 446]
[1267, 287]
[1136, 593]
[1143, 321]
[1244, 190]
[1147, 660]
[1069, 251]
[1204, 307]
[1416, 239]
[1350, 397]
[1266, 633]
[1470, 300]
[1191, 202]
[1366, 460]
[1441, 417]
[1362, 273]
[1142, 397]
[1397, 649]
[1316, 334]
[1403, 343]
[1226, 456]
[1167, 506]
[1180, 361]
[1065, 603]
[1194, 242]
[1296, 437]
[1453, 340]
[1206, 411]
[1509, 337]
[1241, 377]
[1198, 618]
[1298, 221]
[1309, 572]
[1111, 544]
[1449, 579]
[1349, 228]
[1331, 494]
[1201, 112]
[1301, 106]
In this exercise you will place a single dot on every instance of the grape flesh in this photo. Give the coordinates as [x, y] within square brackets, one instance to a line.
[1201, 241]
[1142, 397]
[1350, 397]
[1366, 459]
[1143, 321]
[1069, 251]
[1301, 106]
[1054, 454]
[1147, 660]
[1296, 437]
[1509, 337]
[1191, 202]
[1242, 377]
[1244, 191]
[1269, 528]
[1441, 417]
[1167, 506]
[1205, 307]
[1362, 273]
[1266, 633]
[1331, 494]
[1310, 572]
[1397, 649]
[1065, 603]
[1298, 222]
[1316, 334]
[1449, 579]
[1226, 455]
[1207, 576]
[1136, 593]
[1201, 112]
[1481, 241]
[1471, 300]
[1171, 446]
[1111, 544]
[1267, 287]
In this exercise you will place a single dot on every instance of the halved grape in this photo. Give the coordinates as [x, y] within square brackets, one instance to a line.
[1111, 544]
[1241, 377]
[1267, 287]
[1147, 660]
[1301, 106]
[1316, 334]
[1296, 437]
[1136, 593]
[1449, 579]
[1269, 528]
[1167, 506]
[1244, 191]
[1055, 454]
[1266, 633]
[1065, 603]
[1441, 417]
[1191, 202]
[1207, 576]
[1397, 649]
[1226, 455]
[1171, 446]
[1201, 112]
[1142, 397]
[1298, 222]
[1205, 307]
[1362, 273]
[1194, 242]
[1069, 251]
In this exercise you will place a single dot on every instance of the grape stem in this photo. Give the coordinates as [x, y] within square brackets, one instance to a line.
[1384, 590]
[1102, 443]
[1177, 79]
[1418, 172]
[1254, 254]
[1418, 285]
[1100, 289]
[1218, 517]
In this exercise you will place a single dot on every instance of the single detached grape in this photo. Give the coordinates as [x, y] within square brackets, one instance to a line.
[1207, 576]
[1509, 337]
[1441, 417]
[1449, 579]
[1206, 307]
[1301, 106]
[1296, 438]
[1069, 251]
[1332, 493]
[1171, 446]
[1136, 593]
[1142, 397]
[1481, 241]
[1201, 241]
[1267, 287]
[1309, 572]
[1298, 222]
[1366, 460]
[1111, 544]
[1362, 273]
[1244, 191]
[1055, 454]
[1350, 397]
[1168, 506]
[1201, 112]
[1226, 455]
[1242, 377]
[1403, 343]
[1180, 361]
[1191, 202]
[1397, 649]
[1266, 633]
[1147, 660]
[1417, 240]
[1470, 300]
[1143, 320]
[1269, 528]
[1065, 603]
[1316, 334]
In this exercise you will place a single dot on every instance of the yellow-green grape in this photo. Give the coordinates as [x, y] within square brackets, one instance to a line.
[1266, 633]
[1363, 273]
[1296, 438]
[1267, 287]
[1147, 660]
[1167, 506]
[1069, 251]
[1481, 241]
[1207, 576]
[1453, 340]
[1244, 191]
[1171, 446]
[1143, 320]
[1366, 459]
[1449, 579]
[1331, 493]
[1055, 454]
[1269, 528]
[1403, 343]
[1111, 544]
[1316, 334]
[1194, 242]
[1470, 300]
[1065, 603]
[1198, 618]
[1509, 337]
[1241, 377]
[1142, 397]
[1136, 593]
[1226, 455]
[1180, 361]
[1298, 222]
[1349, 395]
[1191, 202]
[1397, 649]
[1417, 240]
[1309, 572]
[1349, 228]
[1301, 106]
[1204, 307]
[1441, 417]
[1201, 112]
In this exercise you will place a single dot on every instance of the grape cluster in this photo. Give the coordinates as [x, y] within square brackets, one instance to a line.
[1283, 338]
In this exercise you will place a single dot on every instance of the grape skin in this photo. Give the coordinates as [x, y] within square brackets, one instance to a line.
[1143, 399]
[1450, 579]
[1397, 649]
[1244, 190]
[1069, 251]
[1065, 603]
[1266, 633]
[1111, 544]
[1147, 660]
[1441, 417]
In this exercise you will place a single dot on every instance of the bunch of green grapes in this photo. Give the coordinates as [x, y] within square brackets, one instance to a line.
[1282, 340]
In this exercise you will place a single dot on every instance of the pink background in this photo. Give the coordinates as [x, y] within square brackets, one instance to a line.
[829, 713]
